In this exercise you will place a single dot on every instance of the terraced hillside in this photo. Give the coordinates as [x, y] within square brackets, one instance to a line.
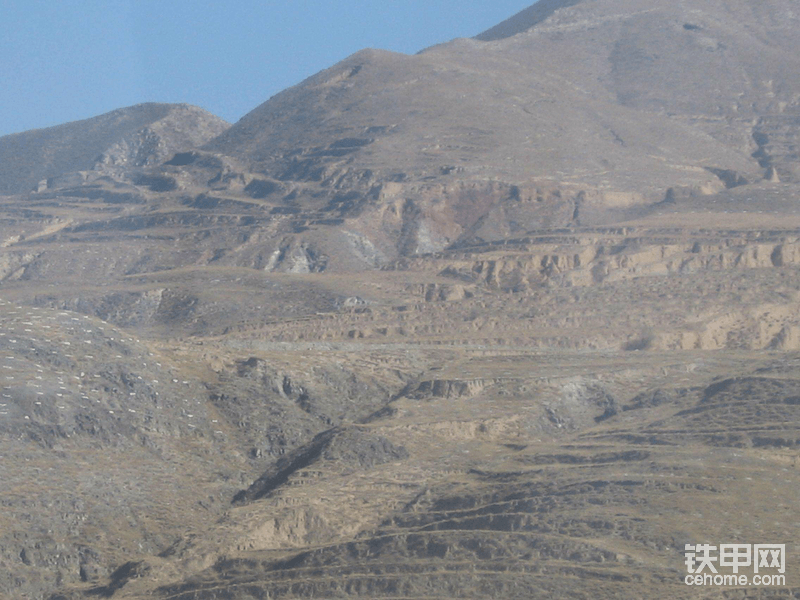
[514, 317]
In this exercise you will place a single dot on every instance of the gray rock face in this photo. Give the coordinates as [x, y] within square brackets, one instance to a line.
[138, 136]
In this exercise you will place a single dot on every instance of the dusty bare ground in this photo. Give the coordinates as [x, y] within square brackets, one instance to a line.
[511, 318]
[557, 416]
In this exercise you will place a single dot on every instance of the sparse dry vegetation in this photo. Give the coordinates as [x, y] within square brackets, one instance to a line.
[521, 322]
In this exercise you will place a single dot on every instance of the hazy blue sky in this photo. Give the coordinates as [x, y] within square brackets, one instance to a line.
[63, 60]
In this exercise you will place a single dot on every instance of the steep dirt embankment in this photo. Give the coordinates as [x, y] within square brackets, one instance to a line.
[590, 261]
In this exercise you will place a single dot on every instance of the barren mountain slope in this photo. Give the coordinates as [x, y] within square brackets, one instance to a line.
[516, 317]
[138, 136]
[497, 99]
[623, 99]
[729, 68]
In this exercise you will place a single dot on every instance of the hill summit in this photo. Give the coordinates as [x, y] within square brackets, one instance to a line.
[138, 136]
[618, 100]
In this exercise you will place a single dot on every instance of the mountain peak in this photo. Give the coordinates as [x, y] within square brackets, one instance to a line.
[139, 135]
[525, 19]
[587, 14]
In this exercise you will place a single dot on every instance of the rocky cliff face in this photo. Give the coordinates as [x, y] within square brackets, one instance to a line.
[139, 136]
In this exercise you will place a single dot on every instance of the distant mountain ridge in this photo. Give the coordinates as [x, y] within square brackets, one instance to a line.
[594, 92]
[618, 100]
[142, 135]
[559, 114]
[525, 19]
[573, 62]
